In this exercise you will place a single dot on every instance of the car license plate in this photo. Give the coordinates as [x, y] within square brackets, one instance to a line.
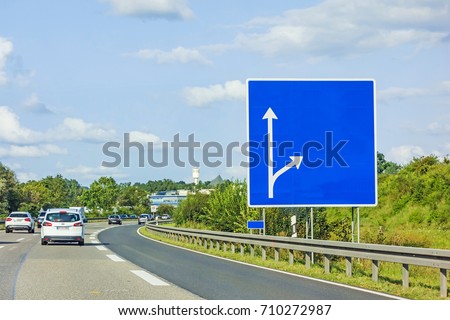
[62, 228]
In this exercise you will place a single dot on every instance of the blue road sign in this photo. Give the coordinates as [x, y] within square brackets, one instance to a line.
[311, 143]
[255, 224]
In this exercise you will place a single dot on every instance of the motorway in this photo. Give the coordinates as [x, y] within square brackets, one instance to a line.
[117, 263]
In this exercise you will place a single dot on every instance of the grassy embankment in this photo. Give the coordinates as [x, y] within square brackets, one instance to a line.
[424, 282]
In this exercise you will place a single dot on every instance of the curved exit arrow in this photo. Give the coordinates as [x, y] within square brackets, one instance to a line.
[296, 160]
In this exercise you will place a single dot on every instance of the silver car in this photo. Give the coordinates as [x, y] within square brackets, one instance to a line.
[19, 221]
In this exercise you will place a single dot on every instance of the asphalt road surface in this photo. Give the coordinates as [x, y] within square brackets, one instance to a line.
[213, 278]
[29, 270]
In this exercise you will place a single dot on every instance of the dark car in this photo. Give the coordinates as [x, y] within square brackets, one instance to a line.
[114, 219]
[40, 218]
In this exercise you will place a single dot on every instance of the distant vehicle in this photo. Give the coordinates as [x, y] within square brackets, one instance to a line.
[80, 211]
[124, 216]
[62, 225]
[18, 220]
[132, 216]
[114, 219]
[40, 218]
[143, 218]
[165, 217]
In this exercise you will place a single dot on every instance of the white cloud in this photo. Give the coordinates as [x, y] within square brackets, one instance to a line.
[144, 137]
[201, 96]
[78, 129]
[26, 176]
[6, 47]
[436, 128]
[357, 26]
[404, 154]
[179, 54]
[12, 131]
[396, 93]
[33, 103]
[34, 151]
[153, 9]
[94, 173]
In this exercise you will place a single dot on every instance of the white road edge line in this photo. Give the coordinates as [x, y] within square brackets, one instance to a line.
[154, 281]
[115, 258]
[280, 271]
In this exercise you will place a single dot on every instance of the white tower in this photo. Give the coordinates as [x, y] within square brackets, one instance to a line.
[196, 174]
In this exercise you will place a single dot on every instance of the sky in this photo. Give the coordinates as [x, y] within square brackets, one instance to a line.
[76, 76]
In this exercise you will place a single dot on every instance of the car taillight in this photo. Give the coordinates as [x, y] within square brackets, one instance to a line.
[47, 224]
[8, 219]
[77, 224]
[27, 219]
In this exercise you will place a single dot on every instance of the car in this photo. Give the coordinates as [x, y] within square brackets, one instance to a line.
[40, 218]
[124, 216]
[132, 216]
[165, 217]
[18, 220]
[62, 225]
[143, 218]
[114, 219]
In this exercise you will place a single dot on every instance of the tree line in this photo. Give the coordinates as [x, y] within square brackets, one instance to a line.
[101, 197]
[415, 196]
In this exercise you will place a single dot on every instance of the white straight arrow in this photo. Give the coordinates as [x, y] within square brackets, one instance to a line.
[296, 160]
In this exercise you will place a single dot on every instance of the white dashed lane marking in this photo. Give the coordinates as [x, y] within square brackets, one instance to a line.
[115, 258]
[101, 248]
[20, 239]
[1, 247]
[154, 281]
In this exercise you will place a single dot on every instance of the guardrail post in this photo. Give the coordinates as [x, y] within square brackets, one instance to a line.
[233, 248]
[242, 249]
[348, 266]
[205, 243]
[252, 250]
[277, 254]
[308, 260]
[263, 253]
[224, 247]
[218, 245]
[291, 257]
[443, 281]
[405, 275]
[375, 270]
[326, 262]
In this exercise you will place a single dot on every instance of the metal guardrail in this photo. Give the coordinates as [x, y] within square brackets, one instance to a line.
[436, 258]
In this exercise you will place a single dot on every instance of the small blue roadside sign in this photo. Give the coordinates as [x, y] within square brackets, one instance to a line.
[311, 143]
[255, 224]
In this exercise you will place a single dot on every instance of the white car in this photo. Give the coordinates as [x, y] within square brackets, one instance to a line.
[19, 221]
[143, 218]
[62, 225]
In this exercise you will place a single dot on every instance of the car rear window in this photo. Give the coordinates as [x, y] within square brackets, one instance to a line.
[18, 215]
[62, 217]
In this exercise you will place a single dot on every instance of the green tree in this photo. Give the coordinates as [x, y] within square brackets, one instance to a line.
[165, 209]
[102, 194]
[192, 209]
[384, 166]
[9, 191]
[228, 209]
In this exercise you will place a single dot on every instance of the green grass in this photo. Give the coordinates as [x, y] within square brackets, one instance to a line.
[423, 281]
